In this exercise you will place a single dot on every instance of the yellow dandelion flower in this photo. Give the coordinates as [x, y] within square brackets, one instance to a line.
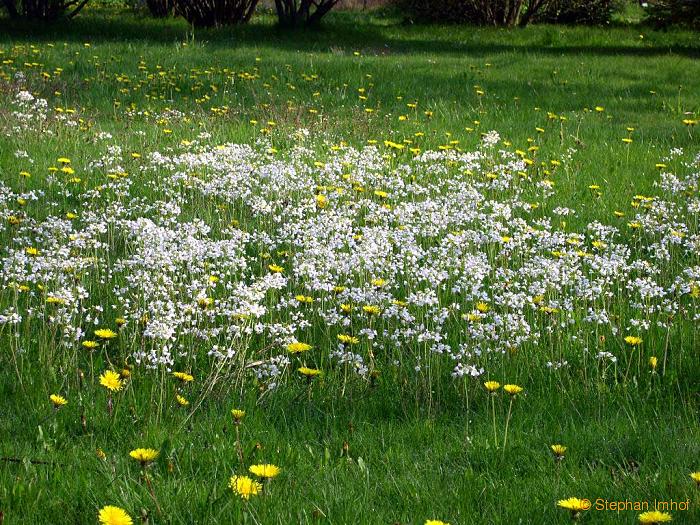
[275, 268]
[492, 386]
[237, 415]
[558, 450]
[111, 515]
[297, 347]
[512, 389]
[144, 455]
[309, 372]
[633, 340]
[653, 517]
[435, 522]
[348, 339]
[111, 381]
[574, 504]
[244, 486]
[58, 401]
[482, 307]
[695, 476]
[371, 309]
[265, 471]
[90, 345]
[183, 376]
[653, 362]
[181, 401]
[105, 333]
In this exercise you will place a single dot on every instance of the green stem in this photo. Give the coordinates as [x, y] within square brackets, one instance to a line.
[238, 445]
[505, 433]
[493, 414]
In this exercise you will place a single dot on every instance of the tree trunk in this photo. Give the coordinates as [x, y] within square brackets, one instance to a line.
[532, 8]
[321, 10]
[307, 12]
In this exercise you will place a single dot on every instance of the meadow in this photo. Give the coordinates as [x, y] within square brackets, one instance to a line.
[431, 274]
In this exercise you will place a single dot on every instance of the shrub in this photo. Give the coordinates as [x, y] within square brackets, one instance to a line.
[445, 11]
[43, 9]
[291, 13]
[507, 12]
[480, 12]
[208, 13]
[590, 12]
[669, 12]
[161, 8]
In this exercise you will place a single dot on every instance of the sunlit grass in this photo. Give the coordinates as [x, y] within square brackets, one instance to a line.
[596, 111]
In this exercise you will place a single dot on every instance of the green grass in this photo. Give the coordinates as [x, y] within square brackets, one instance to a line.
[643, 79]
[407, 459]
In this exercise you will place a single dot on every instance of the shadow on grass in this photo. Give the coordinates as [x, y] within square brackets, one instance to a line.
[341, 30]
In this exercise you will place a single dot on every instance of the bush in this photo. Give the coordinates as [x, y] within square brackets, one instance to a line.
[43, 9]
[670, 12]
[507, 13]
[589, 12]
[161, 8]
[208, 13]
[291, 13]
[443, 11]
[479, 12]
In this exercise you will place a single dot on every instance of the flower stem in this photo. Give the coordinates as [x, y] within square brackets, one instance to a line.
[505, 433]
[238, 445]
[153, 495]
[493, 414]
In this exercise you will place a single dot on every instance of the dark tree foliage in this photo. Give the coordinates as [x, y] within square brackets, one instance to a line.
[664, 13]
[161, 8]
[292, 13]
[507, 13]
[479, 12]
[47, 10]
[210, 13]
[589, 12]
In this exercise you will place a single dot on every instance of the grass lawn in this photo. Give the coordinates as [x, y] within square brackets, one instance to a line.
[360, 136]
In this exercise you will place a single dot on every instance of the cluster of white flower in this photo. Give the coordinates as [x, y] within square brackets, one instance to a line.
[31, 115]
[234, 250]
